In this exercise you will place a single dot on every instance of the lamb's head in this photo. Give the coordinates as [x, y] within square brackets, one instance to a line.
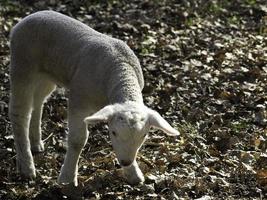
[129, 124]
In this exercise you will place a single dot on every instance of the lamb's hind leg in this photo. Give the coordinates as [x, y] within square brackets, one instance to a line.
[43, 89]
[20, 108]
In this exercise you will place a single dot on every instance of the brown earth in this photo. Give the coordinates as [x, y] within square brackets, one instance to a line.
[205, 68]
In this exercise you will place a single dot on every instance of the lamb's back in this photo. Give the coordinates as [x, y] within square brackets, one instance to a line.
[61, 45]
[53, 42]
[50, 24]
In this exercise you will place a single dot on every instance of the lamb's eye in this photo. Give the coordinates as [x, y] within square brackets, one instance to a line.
[113, 133]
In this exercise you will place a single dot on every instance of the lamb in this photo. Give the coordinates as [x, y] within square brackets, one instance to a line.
[104, 79]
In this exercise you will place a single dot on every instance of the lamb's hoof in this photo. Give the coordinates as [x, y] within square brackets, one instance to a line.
[66, 180]
[37, 148]
[26, 172]
[28, 176]
[135, 180]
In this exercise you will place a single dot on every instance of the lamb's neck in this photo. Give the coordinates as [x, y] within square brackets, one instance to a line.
[124, 86]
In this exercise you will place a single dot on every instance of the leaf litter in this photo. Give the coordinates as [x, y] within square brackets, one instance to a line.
[205, 66]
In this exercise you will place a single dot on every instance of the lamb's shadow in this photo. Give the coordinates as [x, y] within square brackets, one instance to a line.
[61, 192]
[89, 187]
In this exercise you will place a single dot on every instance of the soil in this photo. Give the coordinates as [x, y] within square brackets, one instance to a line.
[205, 69]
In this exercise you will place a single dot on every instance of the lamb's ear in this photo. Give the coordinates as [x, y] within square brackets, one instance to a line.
[100, 116]
[158, 122]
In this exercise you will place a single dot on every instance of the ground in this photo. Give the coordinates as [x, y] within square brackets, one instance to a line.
[205, 69]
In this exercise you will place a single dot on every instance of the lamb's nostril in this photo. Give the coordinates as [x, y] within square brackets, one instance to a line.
[125, 163]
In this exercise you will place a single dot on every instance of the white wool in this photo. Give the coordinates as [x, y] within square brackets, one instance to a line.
[101, 73]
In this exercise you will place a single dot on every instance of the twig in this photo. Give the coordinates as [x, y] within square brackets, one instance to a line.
[48, 137]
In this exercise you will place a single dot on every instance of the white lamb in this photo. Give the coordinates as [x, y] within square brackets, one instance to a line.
[101, 73]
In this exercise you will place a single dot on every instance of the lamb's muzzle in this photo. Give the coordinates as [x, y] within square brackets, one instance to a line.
[103, 77]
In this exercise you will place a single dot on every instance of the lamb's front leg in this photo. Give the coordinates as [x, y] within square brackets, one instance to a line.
[77, 138]
[133, 174]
